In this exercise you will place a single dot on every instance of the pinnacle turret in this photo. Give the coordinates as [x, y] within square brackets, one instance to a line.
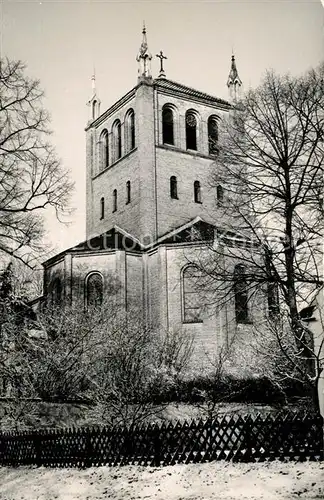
[94, 101]
[144, 58]
[234, 83]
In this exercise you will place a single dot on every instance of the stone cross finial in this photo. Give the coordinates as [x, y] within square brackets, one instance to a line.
[161, 56]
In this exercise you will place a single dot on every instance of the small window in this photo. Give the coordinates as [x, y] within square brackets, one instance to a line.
[114, 200]
[197, 192]
[212, 135]
[94, 290]
[128, 192]
[173, 187]
[273, 300]
[220, 194]
[192, 307]
[129, 131]
[102, 208]
[167, 126]
[191, 131]
[117, 150]
[103, 150]
[241, 294]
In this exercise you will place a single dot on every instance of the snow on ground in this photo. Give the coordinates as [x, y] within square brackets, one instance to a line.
[215, 480]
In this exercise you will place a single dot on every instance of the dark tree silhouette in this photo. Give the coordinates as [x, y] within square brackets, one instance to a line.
[31, 176]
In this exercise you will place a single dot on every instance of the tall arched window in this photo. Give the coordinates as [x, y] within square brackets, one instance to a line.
[191, 299]
[129, 131]
[103, 150]
[167, 126]
[114, 200]
[191, 130]
[94, 107]
[197, 192]
[273, 300]
[212, 135]
[128, 192]
[102, 208]
[220, 194]
[117, 149]
[56, 292]
[173, 187]
[94, 290]
[241, 294]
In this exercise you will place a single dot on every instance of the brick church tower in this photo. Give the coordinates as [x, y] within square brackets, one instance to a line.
[148, 162]
[149, 156]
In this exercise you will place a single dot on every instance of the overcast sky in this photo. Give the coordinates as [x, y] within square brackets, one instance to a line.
[61, 42]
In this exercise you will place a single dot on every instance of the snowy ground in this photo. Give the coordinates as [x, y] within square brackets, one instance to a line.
[215, 480]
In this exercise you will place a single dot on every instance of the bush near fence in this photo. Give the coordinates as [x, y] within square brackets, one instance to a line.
[237, 438]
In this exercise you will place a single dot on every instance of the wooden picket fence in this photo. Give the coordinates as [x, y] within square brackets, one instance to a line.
[237, 438]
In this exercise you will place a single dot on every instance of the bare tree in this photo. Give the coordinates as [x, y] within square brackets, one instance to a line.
[100, 354]
[135, 369]
[268, 176]
[31, 176]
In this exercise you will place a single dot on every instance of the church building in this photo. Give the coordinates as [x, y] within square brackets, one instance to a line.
[148, 162]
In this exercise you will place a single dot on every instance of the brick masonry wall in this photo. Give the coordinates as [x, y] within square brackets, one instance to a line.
[127, 216]
[134, 283]
[155, 289]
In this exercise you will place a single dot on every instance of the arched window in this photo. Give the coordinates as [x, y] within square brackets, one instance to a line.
[191, 300]
[191, 131]
[212, 135]
[167, 126]
[272, 285]
[241, 294]
[197, 192]
[103, 150]
[116, 130]
[94, 290]
[114, 200]
[56, 292]
[273, 300]
[94, 106]
[128, 192]
[129, 131]
[102, 208]
[220, 194]
[173, 187]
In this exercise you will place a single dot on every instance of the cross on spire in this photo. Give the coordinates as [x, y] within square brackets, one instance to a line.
[161, 56]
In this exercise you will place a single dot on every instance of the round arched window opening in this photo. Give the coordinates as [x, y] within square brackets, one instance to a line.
[94, 290]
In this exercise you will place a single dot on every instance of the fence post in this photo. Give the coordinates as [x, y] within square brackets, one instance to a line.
[157, 446]
[322, 450]
[38, 449]
[247, 439]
